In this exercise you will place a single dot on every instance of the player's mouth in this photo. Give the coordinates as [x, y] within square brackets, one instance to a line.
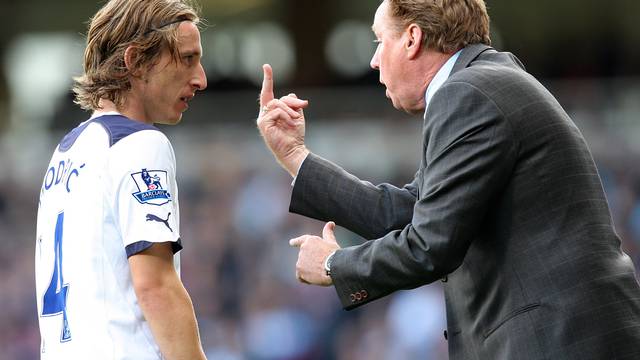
[185, 100]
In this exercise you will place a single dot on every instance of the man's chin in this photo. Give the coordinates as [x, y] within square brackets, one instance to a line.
[410, 111]
[393, 101]
[395, 104]
[172, 121]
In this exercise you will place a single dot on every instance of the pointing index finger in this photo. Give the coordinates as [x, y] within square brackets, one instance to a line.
[266, 94]
[297, 242]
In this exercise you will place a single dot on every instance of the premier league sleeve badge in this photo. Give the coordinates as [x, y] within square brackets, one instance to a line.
[150, 187]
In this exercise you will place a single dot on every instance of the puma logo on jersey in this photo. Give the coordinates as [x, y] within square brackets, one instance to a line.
[151, 217]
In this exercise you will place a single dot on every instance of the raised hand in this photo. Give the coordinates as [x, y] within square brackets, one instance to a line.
[282, 125]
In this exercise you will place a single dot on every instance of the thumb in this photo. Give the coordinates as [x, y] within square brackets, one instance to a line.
[327, 232]
[293, 95]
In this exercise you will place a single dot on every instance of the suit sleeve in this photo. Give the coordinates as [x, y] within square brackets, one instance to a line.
[470, 154]
[326, 192]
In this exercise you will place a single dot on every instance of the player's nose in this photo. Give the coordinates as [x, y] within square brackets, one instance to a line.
[199, 81]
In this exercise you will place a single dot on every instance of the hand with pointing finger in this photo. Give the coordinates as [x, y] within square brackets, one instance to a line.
[282, 125]
[313, 252]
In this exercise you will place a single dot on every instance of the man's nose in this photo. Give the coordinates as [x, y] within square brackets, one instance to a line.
[200, 80]
[375, 61]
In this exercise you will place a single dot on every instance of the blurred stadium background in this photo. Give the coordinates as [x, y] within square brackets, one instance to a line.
[237, 264]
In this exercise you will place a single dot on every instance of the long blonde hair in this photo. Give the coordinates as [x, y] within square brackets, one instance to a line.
[148, 25]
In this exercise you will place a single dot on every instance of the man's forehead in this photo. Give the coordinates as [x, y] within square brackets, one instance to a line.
[188, 35]
[378, 17]
[375, 26]
[187, 29]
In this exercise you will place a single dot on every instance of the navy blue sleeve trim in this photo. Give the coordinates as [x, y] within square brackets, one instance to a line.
[140, 246]
[120, 127]
[137, 247]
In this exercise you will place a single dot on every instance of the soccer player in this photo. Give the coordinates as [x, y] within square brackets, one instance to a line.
[107, 268]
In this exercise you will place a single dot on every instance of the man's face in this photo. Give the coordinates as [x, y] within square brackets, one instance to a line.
[391, 60]
[165, 89]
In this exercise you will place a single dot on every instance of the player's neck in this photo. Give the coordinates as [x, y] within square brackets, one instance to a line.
[107, 106]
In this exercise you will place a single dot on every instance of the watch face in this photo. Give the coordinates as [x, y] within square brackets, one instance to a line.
[327, 263]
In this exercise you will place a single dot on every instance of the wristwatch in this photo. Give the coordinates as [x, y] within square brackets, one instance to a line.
[327, 263]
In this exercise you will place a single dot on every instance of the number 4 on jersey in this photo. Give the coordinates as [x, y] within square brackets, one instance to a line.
[55, 298]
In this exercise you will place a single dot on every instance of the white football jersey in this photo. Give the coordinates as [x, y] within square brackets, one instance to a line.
[109, 192]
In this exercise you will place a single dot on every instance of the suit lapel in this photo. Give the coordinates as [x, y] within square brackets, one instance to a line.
[469, 54]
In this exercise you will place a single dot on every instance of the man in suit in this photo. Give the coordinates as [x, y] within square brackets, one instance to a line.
[507, 207]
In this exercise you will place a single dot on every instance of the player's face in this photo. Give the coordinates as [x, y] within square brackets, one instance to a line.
[390, 59]
[168, 86]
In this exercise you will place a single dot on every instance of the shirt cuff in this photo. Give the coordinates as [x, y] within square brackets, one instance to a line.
[293, 182]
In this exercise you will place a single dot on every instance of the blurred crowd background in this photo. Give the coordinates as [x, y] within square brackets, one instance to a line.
[235, 226]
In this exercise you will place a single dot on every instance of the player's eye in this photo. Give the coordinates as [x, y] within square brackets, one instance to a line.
[188, 59]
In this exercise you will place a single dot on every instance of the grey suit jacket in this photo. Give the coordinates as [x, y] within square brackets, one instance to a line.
[507, 209]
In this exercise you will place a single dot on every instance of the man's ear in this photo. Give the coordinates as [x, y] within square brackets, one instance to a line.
[130, 56]
[413, 43]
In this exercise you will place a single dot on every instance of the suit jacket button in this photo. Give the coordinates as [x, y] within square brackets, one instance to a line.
[446, 336]
[365, 294]
[359, 295]
[352, 297]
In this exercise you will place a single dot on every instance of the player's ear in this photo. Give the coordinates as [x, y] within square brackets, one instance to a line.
[130, 60]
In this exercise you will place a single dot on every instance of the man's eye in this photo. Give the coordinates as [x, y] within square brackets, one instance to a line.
[188, 59]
